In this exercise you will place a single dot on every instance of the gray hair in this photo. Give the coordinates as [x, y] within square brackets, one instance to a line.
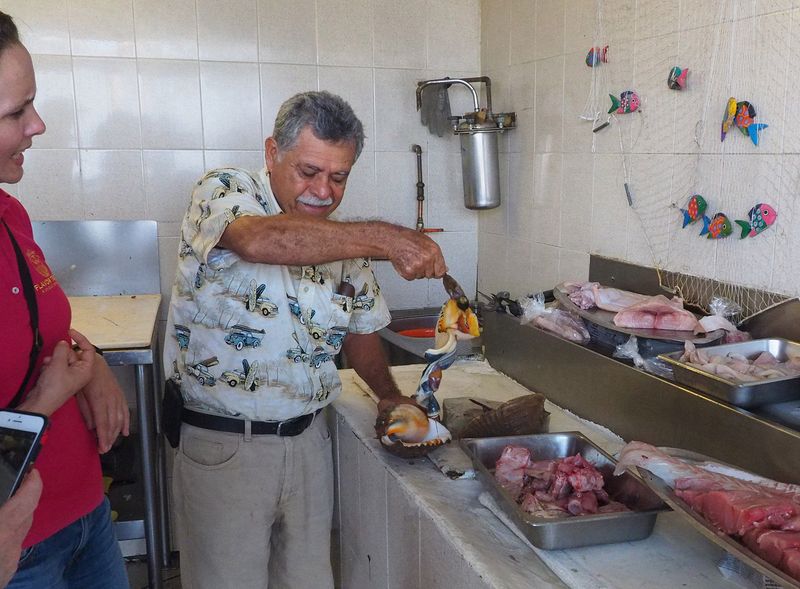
[8, 32]
[329, 116]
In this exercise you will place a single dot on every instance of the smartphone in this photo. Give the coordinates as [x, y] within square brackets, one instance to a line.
[20, 439]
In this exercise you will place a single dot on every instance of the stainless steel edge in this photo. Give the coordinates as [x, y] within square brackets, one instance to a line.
[637, 405]
[569, 532]
[724, 541]
[741, 394]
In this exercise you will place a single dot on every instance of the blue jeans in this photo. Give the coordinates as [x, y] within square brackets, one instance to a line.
[84, 555]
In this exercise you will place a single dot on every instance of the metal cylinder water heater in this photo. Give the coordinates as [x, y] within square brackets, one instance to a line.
[478, 130]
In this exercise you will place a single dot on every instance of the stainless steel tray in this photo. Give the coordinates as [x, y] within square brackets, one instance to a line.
[709, 531]
[750, 394]
[605, 319]
[569, 532]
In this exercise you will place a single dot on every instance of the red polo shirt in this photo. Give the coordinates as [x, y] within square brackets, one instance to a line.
[69, 463]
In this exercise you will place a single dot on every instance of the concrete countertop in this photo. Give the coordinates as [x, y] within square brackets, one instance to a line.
[674, 556]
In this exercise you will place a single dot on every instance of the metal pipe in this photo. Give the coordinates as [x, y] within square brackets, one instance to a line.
[448, 81]
[420, 187]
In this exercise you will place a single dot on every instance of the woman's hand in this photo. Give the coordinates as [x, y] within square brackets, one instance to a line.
[63, 374]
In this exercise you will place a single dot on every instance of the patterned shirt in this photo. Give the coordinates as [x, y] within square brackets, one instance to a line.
[258, 341]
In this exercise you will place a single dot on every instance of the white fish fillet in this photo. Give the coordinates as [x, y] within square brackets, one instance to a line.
[670, 469]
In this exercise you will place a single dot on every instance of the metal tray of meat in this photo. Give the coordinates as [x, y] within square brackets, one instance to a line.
[750, 394]
[665, 492]
[605, 320]
[569, 531]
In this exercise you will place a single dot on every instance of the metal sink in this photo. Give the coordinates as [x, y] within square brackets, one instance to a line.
[404, 349]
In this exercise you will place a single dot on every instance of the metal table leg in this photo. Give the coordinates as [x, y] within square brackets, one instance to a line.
[161, 467]
[144, 402]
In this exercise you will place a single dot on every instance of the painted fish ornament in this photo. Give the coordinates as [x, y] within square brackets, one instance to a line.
[745, 120]
[596, 56]
[694, 210]
[718, 227]
[728, 117]
[761, 216]
[628, 101]
[677, 78]
[742, 114]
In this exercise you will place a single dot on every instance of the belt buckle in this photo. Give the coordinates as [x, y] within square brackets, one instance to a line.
[280, 425]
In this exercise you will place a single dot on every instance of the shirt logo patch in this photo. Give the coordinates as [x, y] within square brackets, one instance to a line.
[37, 263]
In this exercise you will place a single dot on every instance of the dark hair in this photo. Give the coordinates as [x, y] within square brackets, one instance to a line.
[329, 116]
[8, 32]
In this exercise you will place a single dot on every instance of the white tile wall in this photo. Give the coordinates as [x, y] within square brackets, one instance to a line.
[141, 96]
[671, 147]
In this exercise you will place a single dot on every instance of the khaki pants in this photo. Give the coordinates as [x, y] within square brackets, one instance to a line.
[254, 514]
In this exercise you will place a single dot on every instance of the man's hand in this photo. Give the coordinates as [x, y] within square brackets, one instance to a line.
[415, 255]
[394, 400]
[16, 516]
[103, 406]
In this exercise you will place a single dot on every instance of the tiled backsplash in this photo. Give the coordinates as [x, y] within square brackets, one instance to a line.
[141, 96]
[565, 196]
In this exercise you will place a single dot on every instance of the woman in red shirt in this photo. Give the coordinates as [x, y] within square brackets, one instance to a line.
[71, 542]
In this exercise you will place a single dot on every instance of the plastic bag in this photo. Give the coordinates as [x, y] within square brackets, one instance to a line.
[630, 350]
[562, 323]
[724, 315]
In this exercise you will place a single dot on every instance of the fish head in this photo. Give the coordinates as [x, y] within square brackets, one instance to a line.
[725, 228]
[633, 102]
[768, 214]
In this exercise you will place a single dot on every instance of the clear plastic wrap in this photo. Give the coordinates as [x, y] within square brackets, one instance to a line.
[630, 350]
[724, 315]
[551, 319]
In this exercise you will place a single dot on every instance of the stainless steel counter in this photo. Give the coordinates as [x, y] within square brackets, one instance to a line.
[637, 405]
[401, 523]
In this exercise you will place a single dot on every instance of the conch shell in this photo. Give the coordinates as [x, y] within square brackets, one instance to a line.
[520, 416]
[405, 430]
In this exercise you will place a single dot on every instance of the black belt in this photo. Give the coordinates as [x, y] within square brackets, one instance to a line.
[290, 427]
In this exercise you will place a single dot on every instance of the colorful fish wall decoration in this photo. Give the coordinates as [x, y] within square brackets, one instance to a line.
[694, 210]
[760, 217]
[628, 101]
[677, 78]
[718, 227]
[596, 56]
[741, 114]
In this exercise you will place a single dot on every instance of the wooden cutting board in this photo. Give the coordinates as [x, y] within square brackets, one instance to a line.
[116, 322]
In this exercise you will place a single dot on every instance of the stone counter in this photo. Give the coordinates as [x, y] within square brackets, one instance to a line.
[401, 523]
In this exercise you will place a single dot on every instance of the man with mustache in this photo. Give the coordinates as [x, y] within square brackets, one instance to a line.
[268, 290]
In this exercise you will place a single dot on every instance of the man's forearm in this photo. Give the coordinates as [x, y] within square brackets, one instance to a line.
[365, 354]
[296, 240]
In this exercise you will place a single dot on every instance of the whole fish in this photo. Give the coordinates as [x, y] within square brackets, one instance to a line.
[694, 210]
[627, 102]
[718, 227]
[677, 78]
[596, 56]
[761, 216]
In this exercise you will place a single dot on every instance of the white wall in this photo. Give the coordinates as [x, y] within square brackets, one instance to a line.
[141, 96]
[564, 197]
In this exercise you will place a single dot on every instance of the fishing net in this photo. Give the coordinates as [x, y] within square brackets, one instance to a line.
[670, 149]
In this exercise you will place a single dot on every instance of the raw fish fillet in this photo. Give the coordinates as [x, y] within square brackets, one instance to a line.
[588, 295]
[736, 512]
[613, 299]
[510, 468]
[738, 368]
[581, 293]
[657, 312]
[705, 476]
